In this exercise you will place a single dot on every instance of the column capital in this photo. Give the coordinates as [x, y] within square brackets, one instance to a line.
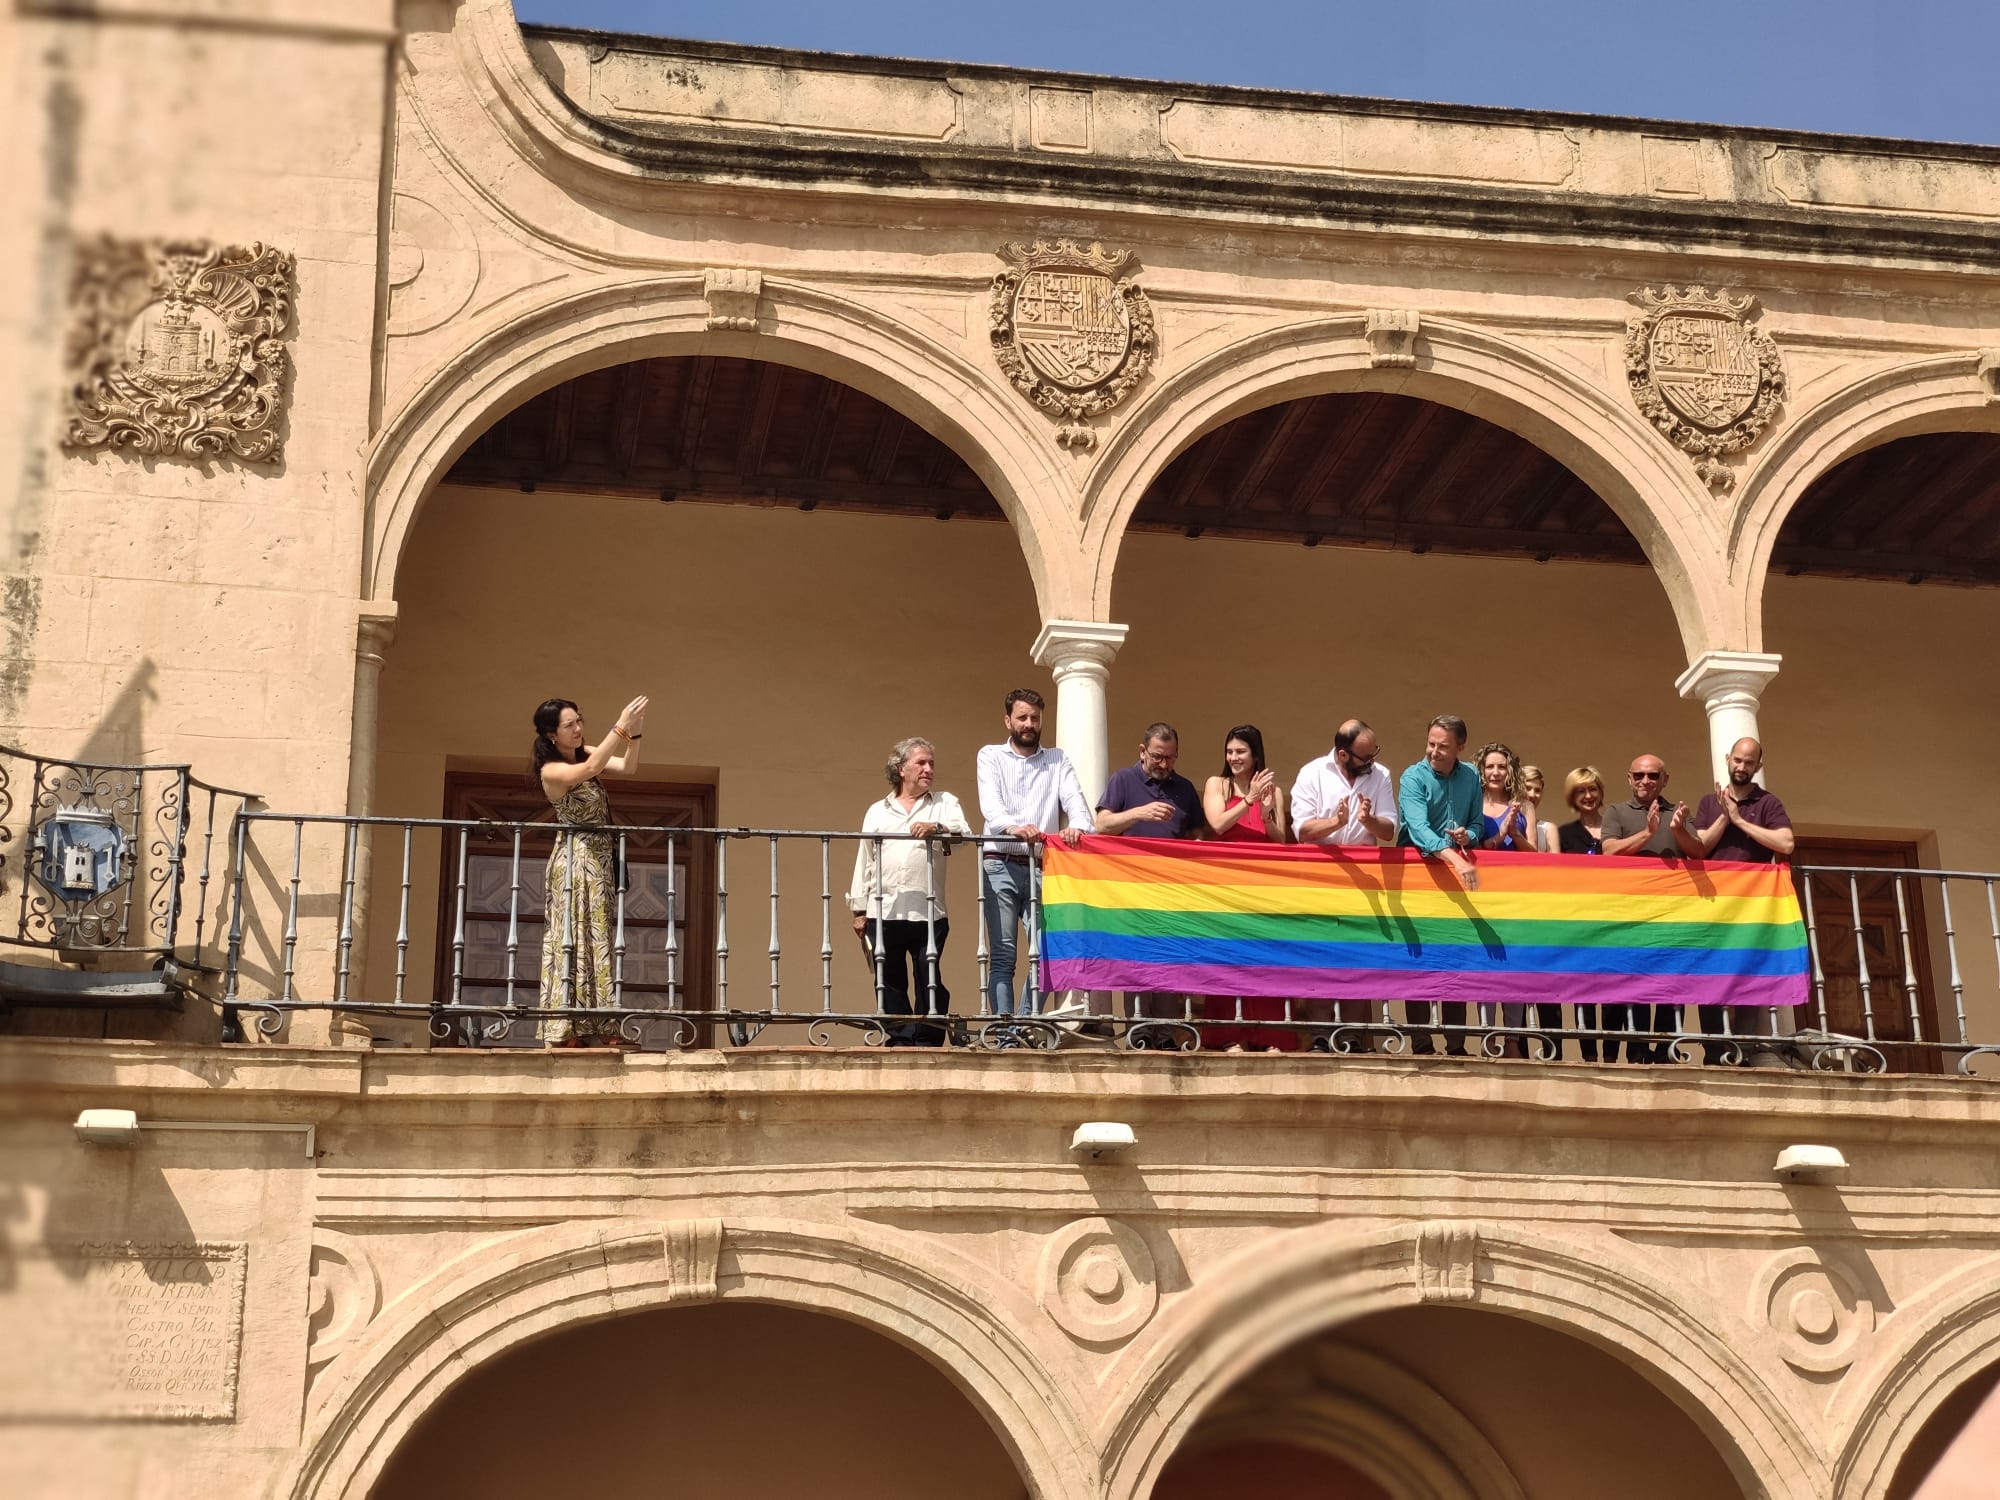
[374, 631]
[1067, 645]
[1741, 676]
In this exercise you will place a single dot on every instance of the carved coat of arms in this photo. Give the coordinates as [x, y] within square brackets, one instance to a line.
[175, 348]
[1702, 374]
[1071, 330]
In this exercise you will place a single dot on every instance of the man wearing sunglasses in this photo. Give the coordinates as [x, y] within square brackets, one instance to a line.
[1648, 824]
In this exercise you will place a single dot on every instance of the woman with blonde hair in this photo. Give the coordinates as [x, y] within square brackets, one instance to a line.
[1583, 790]
[1532, 787]
[1505, 820]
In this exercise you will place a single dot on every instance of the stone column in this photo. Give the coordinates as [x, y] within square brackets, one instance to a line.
[1730, 685]
[1079, 653]
[374, 630]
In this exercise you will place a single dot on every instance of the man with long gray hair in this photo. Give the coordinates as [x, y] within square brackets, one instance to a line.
[897, 895]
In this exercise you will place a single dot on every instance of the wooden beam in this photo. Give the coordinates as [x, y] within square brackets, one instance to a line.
[1944, 489]
[1354, 412]
[826, 422]
[1389, 468]
[635, 385]
[757, 431]
[694, 411]
[889, 432]
[1251, 480]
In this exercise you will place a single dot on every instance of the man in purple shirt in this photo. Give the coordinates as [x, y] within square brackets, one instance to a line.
[1740, 821]
[1150, 800]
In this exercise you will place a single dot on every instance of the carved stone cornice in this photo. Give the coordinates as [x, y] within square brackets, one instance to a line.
[175, 348]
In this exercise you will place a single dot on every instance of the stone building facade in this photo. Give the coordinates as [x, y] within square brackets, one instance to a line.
[384, 368]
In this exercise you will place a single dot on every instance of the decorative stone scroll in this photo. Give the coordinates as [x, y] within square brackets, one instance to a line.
[111, 1331]
[1071, 331]
[1447, 1263]
[732, 297]
[1098, 1281]
[174, 348]
[1392, 338]
[1989, 373]
[1701, 374]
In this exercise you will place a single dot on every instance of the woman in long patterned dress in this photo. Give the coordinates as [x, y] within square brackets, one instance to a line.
[582, 872]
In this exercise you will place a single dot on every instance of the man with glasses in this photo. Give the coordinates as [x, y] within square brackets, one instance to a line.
[1648, 824]
[1345, 799]
[1151, 800]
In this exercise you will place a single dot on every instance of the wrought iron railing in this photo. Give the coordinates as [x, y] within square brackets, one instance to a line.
[112, 865]
[689, 963]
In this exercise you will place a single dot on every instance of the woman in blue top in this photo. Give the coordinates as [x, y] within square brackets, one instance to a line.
[1507, 822]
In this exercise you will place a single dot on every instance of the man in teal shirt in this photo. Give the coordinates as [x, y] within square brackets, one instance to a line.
[1439, 801]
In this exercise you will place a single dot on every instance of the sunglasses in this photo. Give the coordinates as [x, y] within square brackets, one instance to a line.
[1645, 775]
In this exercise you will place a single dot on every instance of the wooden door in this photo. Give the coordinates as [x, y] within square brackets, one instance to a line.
[669, 893]
[1873, 952]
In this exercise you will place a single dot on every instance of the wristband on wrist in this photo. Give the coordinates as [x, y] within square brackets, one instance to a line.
[617, 730]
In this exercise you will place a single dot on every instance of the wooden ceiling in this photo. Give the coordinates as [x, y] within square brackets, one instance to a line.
[1366, 470]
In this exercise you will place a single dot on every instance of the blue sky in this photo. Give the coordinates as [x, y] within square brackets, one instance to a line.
[1921, 69]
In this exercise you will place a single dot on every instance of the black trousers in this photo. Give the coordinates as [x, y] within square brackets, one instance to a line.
[906, 974]
[1616, 1018]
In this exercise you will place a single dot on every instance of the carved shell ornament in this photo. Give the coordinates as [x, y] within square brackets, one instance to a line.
[174, 348]
[1071, 331]
[1702, 374]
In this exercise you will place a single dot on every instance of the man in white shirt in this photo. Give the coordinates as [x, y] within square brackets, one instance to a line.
[1026, 790]
[897, 894]
[1346, 798]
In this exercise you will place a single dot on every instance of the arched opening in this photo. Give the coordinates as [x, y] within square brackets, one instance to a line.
[722, 1399]
[1883, 588]
[1954, 1454]
[1390, 558]
[1439, 1403]
[797, 573]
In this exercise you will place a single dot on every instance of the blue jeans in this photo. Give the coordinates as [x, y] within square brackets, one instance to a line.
[1004, 886]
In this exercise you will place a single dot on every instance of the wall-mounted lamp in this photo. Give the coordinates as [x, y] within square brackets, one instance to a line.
[1810, 1164]
[108, 1127]
[1098, 1139]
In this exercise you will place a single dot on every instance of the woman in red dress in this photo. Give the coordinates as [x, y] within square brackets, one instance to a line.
[1245, 805]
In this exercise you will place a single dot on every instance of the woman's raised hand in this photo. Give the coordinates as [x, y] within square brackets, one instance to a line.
[634, 716]
[1261, 785]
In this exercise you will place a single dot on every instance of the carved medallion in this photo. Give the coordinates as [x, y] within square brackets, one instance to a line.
[1818, 1312]
[1071, 330]
[1702, 374]
[174, 348]
[1098, 1281]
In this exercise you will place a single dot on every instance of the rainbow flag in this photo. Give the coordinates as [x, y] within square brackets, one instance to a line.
[1386, 924]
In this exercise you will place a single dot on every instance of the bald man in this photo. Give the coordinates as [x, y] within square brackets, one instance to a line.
[1739, 821]
[1346, 798]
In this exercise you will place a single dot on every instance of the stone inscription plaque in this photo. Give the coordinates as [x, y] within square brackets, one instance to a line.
[124, 1331]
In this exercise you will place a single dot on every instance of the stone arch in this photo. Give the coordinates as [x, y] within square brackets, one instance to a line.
[1942, 394]
[511, 1289]
[1326, 1276]
[1953, 1335]
[803, 326]
[1376, 1416]
[1651, 487]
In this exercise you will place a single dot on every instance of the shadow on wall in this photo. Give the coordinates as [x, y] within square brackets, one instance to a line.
[735, 1398]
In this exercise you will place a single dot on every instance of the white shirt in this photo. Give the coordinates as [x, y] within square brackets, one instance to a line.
[1031, 790]
[1322, 784]
[907, 869]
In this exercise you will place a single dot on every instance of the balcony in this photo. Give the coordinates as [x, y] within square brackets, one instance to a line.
[146, 888]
